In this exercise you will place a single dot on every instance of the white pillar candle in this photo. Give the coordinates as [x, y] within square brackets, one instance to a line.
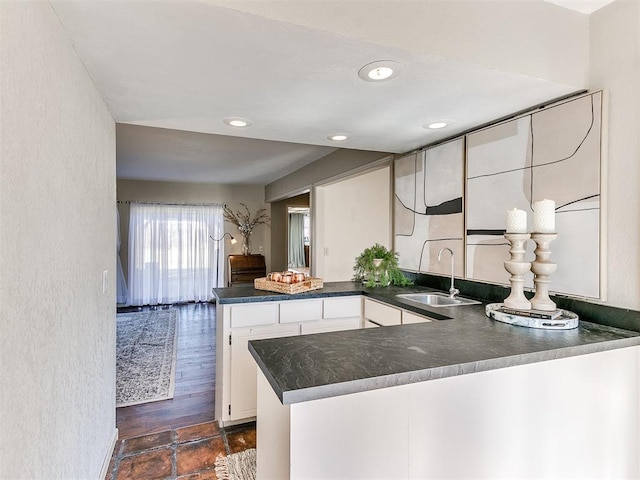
[516, 221]
[544, 216]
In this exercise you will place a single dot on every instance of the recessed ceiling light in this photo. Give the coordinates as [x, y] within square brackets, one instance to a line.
[380, 70]
[380, 73]
[438, 124]
[339, 137]
[237, 122]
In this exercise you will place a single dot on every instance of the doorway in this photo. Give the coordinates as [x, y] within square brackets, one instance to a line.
[299, 239]
[280, 231]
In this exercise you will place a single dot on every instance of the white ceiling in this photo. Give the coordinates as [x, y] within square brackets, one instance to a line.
[170, 71]
[175, 155]
[582, 6]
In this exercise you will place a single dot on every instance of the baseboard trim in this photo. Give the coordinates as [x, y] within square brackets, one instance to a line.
[107, 458]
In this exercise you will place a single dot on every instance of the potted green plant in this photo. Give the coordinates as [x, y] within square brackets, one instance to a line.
[378, 266]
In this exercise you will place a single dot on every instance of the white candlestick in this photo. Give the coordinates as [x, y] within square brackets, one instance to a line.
[542, 269]
[517, 267]
[516, 221]
[544, 216]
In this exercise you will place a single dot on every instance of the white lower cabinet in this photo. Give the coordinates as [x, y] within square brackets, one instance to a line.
[238, 324]
[377, 314]
[410, 317]
[242, 381]
[381, 314]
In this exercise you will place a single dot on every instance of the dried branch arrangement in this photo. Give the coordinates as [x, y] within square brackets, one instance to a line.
[242, 219]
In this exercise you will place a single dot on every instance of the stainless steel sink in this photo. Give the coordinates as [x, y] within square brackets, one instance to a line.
[436, 299]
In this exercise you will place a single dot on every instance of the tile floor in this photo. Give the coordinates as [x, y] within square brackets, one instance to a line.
[186, 453]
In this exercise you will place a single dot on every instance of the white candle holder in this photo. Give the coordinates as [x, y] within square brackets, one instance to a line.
[542, 269]
[517, 267]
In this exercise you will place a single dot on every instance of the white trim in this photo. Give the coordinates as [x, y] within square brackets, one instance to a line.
[515, 116]
[291, 193]
[107, 459]
[356, 172]
[604, 160]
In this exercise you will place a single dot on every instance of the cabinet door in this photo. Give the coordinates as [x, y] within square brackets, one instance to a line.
[242, 384]
[332, 325]
[409, 317]
[381, 314]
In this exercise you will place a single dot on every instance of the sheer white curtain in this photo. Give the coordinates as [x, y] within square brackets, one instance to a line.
[171, 255]
[123, 294]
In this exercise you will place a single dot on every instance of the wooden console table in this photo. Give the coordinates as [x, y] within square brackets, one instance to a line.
[245, 268]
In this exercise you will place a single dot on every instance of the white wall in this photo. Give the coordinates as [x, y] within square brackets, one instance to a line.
[615, 66]
[174, 192]
[57, 235]
[349, 216]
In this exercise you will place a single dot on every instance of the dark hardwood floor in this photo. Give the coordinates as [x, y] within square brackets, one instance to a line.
[195, 379]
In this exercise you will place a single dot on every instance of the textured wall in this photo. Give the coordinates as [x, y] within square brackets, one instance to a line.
[57, 231]
[615, 66]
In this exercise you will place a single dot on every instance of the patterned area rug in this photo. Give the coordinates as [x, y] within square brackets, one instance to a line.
[237, 466]
[145, 356]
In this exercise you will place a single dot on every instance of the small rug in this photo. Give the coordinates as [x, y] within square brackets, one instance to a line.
[145, 356]
[237, 466]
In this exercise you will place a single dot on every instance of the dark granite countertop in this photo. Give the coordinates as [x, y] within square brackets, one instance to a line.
[310, 367]
[248, 294]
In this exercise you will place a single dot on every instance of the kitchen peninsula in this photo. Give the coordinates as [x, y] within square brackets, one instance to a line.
[457, 398]
[244, 314]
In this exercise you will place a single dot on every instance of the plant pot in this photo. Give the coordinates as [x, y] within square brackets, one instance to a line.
[377, 262]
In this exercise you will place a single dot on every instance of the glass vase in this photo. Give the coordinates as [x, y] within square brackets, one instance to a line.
[246, 248]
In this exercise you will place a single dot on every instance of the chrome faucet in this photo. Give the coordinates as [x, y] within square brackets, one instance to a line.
[452, 291]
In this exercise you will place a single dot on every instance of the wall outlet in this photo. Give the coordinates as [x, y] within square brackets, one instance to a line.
[326, 251]
[260, 249]
[105, 280]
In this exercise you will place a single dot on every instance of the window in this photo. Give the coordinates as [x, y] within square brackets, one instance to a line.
[172, 257]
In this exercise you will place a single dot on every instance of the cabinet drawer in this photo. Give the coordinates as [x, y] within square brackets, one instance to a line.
[332, 325]
[249, 315]
[300, 310]
[342, 307]
[382, 314]
[409, 317]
